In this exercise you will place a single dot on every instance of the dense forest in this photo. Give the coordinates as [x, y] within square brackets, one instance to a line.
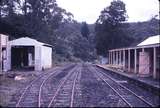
[45, 21]
[137, 32]
[112, 30]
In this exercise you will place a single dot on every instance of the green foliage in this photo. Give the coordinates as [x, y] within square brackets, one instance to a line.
[109, 32]
[141, 30]
[72, 45]
[34, 18]
[112, 32]
[85, 30]
[46, 22]
[114, 14]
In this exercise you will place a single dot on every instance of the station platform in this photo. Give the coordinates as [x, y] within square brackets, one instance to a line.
[148, 83]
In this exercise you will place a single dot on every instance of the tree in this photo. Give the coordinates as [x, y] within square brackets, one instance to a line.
[85, 30]
[38, 18]
[114, 14]
[109, 33]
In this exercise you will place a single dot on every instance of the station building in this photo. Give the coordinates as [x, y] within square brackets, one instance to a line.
[143, 59]
[26, 53]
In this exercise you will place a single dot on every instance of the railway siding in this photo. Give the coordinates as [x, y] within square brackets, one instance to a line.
[151, 86]
[147, 98]
[83, 85]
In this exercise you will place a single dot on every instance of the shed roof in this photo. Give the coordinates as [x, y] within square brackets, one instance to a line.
[150, 41]
[153, 41]
[26, 41]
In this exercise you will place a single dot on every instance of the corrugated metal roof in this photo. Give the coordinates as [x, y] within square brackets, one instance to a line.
[150, 41]
[27, 41]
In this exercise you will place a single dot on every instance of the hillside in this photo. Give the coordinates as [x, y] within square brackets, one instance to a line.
[70, 45]
[141, 30]
[59, 28]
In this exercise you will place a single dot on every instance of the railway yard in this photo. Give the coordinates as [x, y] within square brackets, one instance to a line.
[74, 85]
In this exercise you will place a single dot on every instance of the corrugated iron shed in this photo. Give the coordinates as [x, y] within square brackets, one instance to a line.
[31, 53]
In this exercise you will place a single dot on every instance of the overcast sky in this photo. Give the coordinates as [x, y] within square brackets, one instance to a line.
[89, 10]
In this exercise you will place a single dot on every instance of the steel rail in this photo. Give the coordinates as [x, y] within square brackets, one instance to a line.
[139, 97]
[113, 89]
[149, 104]
[73, 89]
[32, 82]
[60, 86]
[40, 89]
[27, 87]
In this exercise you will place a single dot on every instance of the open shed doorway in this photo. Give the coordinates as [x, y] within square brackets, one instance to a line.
[3, 58]
[22, 57]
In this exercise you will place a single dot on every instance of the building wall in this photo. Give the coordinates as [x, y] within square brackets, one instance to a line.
[43, 57]
[3, 45]
[38, 60]
[144, 63]
[8, 63]
[46, 57]
[3, 40]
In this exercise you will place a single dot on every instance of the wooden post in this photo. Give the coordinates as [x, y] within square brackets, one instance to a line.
[109, 58]
[135, 61]
[120, 58]
[117, 58]
[113, 57]
[154, 62]
[129, 60]
[124, 59]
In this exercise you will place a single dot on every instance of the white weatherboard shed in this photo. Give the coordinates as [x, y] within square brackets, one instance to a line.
[27, 52]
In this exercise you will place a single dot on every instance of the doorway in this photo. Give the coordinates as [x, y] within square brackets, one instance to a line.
[22, 57]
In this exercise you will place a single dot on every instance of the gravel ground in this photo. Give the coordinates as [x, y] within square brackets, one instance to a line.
[90, 90]
[50, 87]
[149, 96]
[95, 93]
[10, 86]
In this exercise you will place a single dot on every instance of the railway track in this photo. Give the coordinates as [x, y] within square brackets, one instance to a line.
[62, 88]
[64, 95]
[31, 94]
[128, 96]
